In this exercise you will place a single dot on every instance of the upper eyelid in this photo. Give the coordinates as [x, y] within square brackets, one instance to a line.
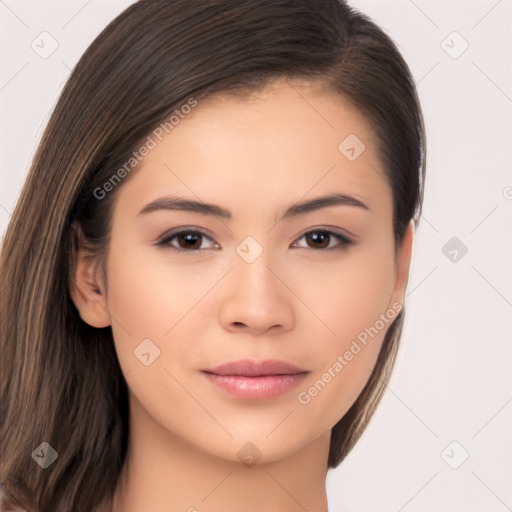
[335, 231]
[185, 229]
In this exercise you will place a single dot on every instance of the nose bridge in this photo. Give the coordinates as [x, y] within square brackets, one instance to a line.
[254, 297]
[252, 263]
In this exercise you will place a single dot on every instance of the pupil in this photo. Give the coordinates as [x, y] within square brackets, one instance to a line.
[190, 240]
[320, 238]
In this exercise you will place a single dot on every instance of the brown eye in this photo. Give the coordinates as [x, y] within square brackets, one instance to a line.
[186, 241]
[189, 240]
[324, 239]
[318, 239]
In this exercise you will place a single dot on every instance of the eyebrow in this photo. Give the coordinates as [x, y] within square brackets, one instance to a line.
[189, 205]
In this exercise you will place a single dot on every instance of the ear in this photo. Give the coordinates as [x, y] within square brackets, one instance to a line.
[87, 288]
[402, 265]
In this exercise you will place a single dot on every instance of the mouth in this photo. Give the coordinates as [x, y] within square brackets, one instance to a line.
[253, 379]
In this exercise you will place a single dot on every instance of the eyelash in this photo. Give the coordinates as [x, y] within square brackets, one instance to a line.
[165, 240]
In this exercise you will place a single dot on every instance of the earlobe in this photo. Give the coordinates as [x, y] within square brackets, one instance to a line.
[87, 289]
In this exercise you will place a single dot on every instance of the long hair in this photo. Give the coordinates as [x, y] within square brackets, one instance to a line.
[61, 382]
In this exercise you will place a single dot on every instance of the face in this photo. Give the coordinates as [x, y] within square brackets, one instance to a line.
[248, 274]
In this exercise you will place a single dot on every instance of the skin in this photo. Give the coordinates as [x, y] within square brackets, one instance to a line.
[255, 156]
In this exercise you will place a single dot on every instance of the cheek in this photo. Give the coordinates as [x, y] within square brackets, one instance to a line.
[349, 293]
[149, 295]
[154, 300]
[139, 308]
[353, 304]
[347, 362]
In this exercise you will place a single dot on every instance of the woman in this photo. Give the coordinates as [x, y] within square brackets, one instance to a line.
[203, 280]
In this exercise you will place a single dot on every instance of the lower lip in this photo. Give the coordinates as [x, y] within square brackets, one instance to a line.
[267, 386]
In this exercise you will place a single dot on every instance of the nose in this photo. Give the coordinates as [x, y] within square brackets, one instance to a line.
[255, 300]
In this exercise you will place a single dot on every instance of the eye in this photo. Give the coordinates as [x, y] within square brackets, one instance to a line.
[186, 240]
[193, 240]
[324, 239]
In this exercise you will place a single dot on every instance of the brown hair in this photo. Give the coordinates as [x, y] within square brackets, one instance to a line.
[61, 381]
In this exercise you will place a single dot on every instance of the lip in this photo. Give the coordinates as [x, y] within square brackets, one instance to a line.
[248, 378]
[254, 368]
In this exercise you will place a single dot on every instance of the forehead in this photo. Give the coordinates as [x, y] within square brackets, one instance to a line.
[287, 139]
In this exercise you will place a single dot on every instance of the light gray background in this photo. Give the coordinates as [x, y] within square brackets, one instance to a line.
[453, 379]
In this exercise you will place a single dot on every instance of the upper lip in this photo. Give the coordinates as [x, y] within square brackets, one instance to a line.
[254, 368]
